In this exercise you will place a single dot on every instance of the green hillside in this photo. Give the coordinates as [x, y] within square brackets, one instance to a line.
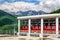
[56, 11]
[6, 20]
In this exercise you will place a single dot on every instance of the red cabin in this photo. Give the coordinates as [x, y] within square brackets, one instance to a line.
[53, 30]
[48, 29]
[35, 29]
[24, 29]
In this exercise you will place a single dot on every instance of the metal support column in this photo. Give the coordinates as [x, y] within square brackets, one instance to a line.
[29, 25]
[41, 28]
[18, 28]
[57, 24]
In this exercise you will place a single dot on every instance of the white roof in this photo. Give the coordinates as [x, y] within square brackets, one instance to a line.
[40, 16]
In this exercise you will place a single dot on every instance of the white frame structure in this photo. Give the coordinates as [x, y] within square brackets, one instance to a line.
[42, 17]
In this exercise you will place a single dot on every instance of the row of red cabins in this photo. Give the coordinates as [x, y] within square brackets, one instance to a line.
[46, 29]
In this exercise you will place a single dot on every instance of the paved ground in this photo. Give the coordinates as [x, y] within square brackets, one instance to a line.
[16, 38]
[19, 38]
[4, 37]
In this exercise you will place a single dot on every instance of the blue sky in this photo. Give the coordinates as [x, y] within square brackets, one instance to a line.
[30, 1]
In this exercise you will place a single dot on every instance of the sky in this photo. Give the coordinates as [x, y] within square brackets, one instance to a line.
[25, 5]
[10, 1]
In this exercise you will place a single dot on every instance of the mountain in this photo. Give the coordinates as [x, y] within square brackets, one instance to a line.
[30, 12]
[6, 19]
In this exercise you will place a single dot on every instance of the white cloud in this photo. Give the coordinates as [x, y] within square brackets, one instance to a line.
[44, 5]
[18, 6]
[23, 6]
[49, 5]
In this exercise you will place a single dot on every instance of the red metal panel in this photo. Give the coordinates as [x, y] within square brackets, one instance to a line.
[23, 27]
[59, 29]
[53, 30]
[39, 28]
[26, 27]
[44, 27]
[35, 29]
[24, 30]
[48, 27]
[54, 27]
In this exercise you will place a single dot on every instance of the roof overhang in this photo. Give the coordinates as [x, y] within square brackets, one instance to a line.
[39, 16]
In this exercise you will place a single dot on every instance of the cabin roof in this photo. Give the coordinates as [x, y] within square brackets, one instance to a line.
[39, 16]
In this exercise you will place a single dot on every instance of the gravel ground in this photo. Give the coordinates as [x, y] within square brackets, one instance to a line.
[18, 38]
[14, 38]
[5, 37]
